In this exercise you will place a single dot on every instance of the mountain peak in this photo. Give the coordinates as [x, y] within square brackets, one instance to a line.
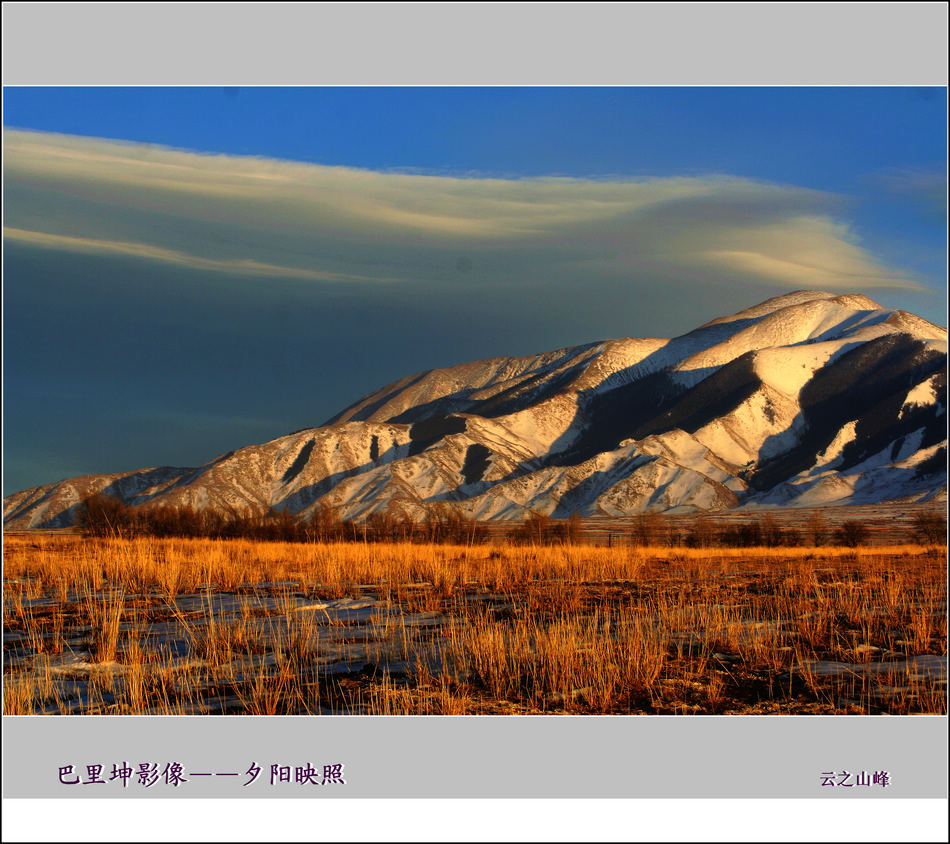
[800, 297]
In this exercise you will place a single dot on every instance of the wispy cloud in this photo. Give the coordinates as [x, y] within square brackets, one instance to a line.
[925, 188]
[261, 217]
[235, 266]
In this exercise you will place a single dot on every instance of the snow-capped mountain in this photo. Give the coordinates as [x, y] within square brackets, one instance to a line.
[806, 399]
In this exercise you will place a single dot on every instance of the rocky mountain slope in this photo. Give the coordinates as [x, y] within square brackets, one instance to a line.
[806, 399]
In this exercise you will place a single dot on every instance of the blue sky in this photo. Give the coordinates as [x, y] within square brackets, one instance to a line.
[257, 258]
[827, 138]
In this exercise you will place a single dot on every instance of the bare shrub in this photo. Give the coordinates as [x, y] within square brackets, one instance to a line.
[852, 533]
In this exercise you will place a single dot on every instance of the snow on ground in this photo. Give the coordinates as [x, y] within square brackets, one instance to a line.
[790, 368]
[808, 492]
[624, 361]
[917, 457]
[724, 440]
[797, 297]
[539, 427]
[878, 478]
[911, 444]
[766, 423]
[686, 451]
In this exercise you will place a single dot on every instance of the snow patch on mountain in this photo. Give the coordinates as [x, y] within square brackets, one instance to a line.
[832, 453]
[923, 395]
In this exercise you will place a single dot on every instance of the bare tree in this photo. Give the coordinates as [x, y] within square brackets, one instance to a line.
[852, 534]
[701, 534]
[771, 531]
[647, 527]
[575, 529]
[817, 528]
[103, 515]
[930, 528]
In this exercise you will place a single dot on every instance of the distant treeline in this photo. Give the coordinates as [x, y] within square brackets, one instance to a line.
[766, 530]
[102, 515]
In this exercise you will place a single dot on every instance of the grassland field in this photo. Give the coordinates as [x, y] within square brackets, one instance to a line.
[199, 626]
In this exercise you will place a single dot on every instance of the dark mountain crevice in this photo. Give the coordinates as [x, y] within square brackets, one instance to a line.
[713, 397]
[874, 432]
[297, 466]
[476, 462]
[613, 416]
[937, 462]
[656, 404]
[428, 432]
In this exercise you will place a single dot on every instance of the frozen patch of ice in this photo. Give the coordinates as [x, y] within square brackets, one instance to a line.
[927, 666]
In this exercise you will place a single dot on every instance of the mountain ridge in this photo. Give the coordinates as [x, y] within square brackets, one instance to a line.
[807, 399]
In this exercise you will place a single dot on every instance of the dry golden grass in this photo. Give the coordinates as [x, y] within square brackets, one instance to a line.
[138, 626]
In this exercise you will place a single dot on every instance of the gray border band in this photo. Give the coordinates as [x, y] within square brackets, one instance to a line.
[475, 43]
[488, 757]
